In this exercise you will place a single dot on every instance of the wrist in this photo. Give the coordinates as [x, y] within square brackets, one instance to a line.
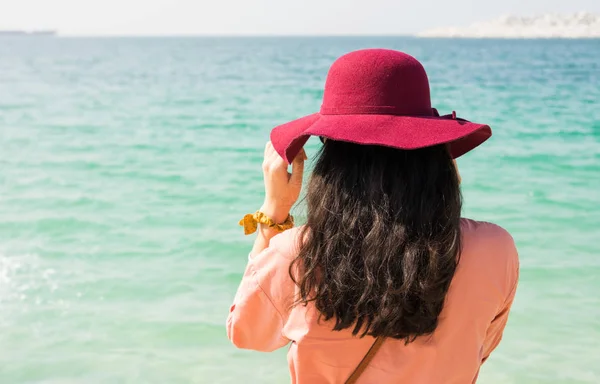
[276, 213]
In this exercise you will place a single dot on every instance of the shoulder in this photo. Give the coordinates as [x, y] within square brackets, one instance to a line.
[487, 235]
[485, 230]
[490, 251]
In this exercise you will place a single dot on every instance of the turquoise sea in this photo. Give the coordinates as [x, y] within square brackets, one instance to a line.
[125, 164]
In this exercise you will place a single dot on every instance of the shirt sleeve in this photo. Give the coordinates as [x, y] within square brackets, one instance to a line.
[258, 314]
[498, 324]
[496, 329]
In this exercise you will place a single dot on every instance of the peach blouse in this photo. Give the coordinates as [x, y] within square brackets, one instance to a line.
[470, 326]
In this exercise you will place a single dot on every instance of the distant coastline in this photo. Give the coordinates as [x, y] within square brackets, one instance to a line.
[27, 33]
[567, 26]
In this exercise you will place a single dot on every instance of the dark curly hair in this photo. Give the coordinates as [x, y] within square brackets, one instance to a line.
[382, 238]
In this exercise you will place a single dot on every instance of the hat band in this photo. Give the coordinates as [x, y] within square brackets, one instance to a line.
[374, 110]
[386, 110]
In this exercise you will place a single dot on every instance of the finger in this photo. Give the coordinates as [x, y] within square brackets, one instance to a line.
[300, 156]
[273, 155]
[274, 164]
[268, 149]
[266, 155]
[303, 152]
[278, 165]
[269, 157]
[298, 169]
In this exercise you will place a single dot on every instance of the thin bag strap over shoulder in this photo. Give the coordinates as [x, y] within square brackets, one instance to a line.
[364, 363]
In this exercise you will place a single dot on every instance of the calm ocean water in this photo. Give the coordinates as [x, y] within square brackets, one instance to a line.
[126, 163]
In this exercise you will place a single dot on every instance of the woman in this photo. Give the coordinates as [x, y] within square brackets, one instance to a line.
[386, 283]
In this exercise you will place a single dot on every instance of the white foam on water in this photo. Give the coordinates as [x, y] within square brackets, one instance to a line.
[551, 25]
[20, 274]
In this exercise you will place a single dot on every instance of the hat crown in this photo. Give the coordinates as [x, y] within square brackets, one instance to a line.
[377, 81]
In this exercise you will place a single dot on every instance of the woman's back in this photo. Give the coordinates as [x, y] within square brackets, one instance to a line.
[470, 325]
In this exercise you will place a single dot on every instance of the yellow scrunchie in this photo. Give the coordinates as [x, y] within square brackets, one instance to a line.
[251, 220]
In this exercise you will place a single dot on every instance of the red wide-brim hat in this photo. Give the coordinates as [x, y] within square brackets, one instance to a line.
[379, 97]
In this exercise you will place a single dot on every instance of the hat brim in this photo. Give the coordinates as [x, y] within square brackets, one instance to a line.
[403, 132]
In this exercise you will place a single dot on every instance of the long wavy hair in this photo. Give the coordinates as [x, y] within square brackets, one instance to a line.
[382, 238]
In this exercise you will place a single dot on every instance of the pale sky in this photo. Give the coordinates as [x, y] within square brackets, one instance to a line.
[265, 17]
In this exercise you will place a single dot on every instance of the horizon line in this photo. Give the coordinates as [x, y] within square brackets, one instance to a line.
[69, 35]
[414, 35]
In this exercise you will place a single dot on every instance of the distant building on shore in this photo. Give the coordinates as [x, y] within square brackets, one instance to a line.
[576, 26]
